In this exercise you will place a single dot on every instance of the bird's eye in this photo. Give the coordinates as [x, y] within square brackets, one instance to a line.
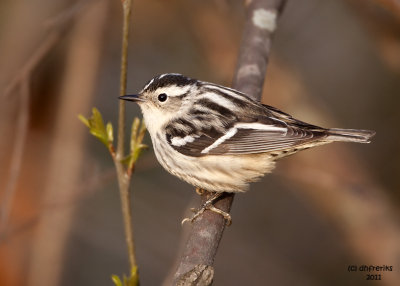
[162, 97]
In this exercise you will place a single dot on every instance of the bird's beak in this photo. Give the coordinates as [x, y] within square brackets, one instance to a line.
[133, 97]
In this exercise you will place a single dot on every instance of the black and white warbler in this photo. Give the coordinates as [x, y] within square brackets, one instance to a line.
[219, 139]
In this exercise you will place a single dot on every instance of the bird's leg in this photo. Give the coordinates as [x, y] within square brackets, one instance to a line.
[208, 205]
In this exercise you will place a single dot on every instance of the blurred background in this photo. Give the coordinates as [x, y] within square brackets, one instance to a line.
[334, 63]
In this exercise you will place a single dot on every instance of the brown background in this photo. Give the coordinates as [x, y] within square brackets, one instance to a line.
[333, 63]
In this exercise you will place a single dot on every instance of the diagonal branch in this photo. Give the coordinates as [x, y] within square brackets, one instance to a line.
[206, 233]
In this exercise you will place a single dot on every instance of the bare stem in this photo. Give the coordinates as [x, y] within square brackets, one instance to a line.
[123, 178]
[207, 230]
[124, 182]
[126, 5]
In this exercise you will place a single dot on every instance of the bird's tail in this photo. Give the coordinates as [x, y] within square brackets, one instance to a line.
[350, 135]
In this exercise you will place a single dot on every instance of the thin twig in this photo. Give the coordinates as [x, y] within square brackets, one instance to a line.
[207, 230]
[123, 177]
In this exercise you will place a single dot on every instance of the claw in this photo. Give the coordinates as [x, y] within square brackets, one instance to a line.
[208, 205]
[199, 212]
[185, 220]
[226, 216]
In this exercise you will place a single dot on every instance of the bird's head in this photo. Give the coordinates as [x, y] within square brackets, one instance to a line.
[163, 98]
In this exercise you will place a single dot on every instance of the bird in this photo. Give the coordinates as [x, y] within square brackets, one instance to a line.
[219, 139]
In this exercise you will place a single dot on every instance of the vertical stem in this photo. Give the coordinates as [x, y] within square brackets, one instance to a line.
[123, 177]
[126, 4]
[124, 180]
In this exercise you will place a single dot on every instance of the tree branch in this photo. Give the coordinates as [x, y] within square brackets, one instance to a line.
[207, 230]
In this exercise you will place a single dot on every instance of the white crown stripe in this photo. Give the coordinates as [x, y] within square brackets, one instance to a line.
[147, 85]
[163, 75]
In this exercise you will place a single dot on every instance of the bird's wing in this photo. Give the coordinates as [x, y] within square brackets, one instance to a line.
[261, 135]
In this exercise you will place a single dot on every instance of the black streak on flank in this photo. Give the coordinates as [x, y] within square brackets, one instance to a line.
[168, 80]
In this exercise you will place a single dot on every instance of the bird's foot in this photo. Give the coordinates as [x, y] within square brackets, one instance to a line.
[208, 205]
